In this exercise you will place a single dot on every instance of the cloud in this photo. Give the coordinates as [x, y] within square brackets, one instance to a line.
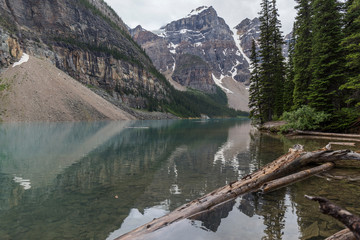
[153, 14]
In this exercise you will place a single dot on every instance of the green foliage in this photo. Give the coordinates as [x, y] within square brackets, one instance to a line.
[3, 86]
[342, 120]
[351, 45]
[289, 80]
[304, 118]
[193, 103]
[219, 96]
[327, 60]
[271, 74]
[302, 52]
[254, 90]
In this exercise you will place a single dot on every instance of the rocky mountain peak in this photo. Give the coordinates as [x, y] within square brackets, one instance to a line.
[248, 30]
[136, 30]
[203, 38]
[248, 24]
[202, 10]
[203, 19]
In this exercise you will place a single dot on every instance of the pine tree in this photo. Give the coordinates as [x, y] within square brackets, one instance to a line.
[277, 61]
[351, 45]
[265, 73]
[289, 80]
[254, 90]
[271, 70]
[326, 62]
[302, 52]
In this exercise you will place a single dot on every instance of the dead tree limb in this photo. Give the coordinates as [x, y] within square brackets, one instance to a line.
[294, 160]
[350, 220]
[344, 234]
[282, 182]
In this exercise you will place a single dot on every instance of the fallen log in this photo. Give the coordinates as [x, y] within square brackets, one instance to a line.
[350, 220]
[282, 182]
[345, 234]
[323, 137]
[298, 132]
[351, 144]
[294, 160]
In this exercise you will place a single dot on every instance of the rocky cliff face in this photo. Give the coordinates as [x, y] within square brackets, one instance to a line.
[201, 34]
[193, 72]
[248, 30]
[84, 38]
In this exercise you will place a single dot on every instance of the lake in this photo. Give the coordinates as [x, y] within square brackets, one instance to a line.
[98, 180]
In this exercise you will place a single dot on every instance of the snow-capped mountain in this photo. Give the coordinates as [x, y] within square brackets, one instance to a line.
[248, 30]
[202, 38]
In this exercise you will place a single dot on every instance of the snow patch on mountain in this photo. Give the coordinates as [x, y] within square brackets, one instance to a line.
[238, 44]
[172, 47]
[24, 58]
[197, 11]
[160, 32]
[219, 83]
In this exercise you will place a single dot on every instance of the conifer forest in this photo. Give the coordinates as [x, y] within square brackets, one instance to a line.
[320, 79]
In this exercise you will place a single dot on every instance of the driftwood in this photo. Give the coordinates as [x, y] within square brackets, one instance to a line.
[343, 144]
[350, 220]
[289, 163]
[327, 134]
[324, 138]
[281, 182]
[345, 234]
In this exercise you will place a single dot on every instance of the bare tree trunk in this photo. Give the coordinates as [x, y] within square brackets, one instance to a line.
[327, 134]
[350, 220]
[345, 234]
[282, 182]
[295, 159]
[324, 137]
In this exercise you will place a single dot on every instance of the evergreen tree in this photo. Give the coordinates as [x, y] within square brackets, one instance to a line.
[265, 73]
[254, 90]
[271, 70]
[289, 80]
[326, 62]
[278, 61]
[302, 52]
[351, 45]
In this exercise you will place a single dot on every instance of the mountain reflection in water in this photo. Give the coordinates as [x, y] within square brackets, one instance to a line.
[100, 180]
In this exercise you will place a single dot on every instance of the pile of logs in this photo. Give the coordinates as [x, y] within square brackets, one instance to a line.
[285, 170]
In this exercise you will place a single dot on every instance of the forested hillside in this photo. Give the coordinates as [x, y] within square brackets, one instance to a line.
[322, 73]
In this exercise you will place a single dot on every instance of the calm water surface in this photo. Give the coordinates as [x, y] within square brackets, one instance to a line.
[100, 180]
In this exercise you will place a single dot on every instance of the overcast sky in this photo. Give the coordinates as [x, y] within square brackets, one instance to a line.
[153, 14]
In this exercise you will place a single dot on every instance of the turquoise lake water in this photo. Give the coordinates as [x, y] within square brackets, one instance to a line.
[99, 180]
